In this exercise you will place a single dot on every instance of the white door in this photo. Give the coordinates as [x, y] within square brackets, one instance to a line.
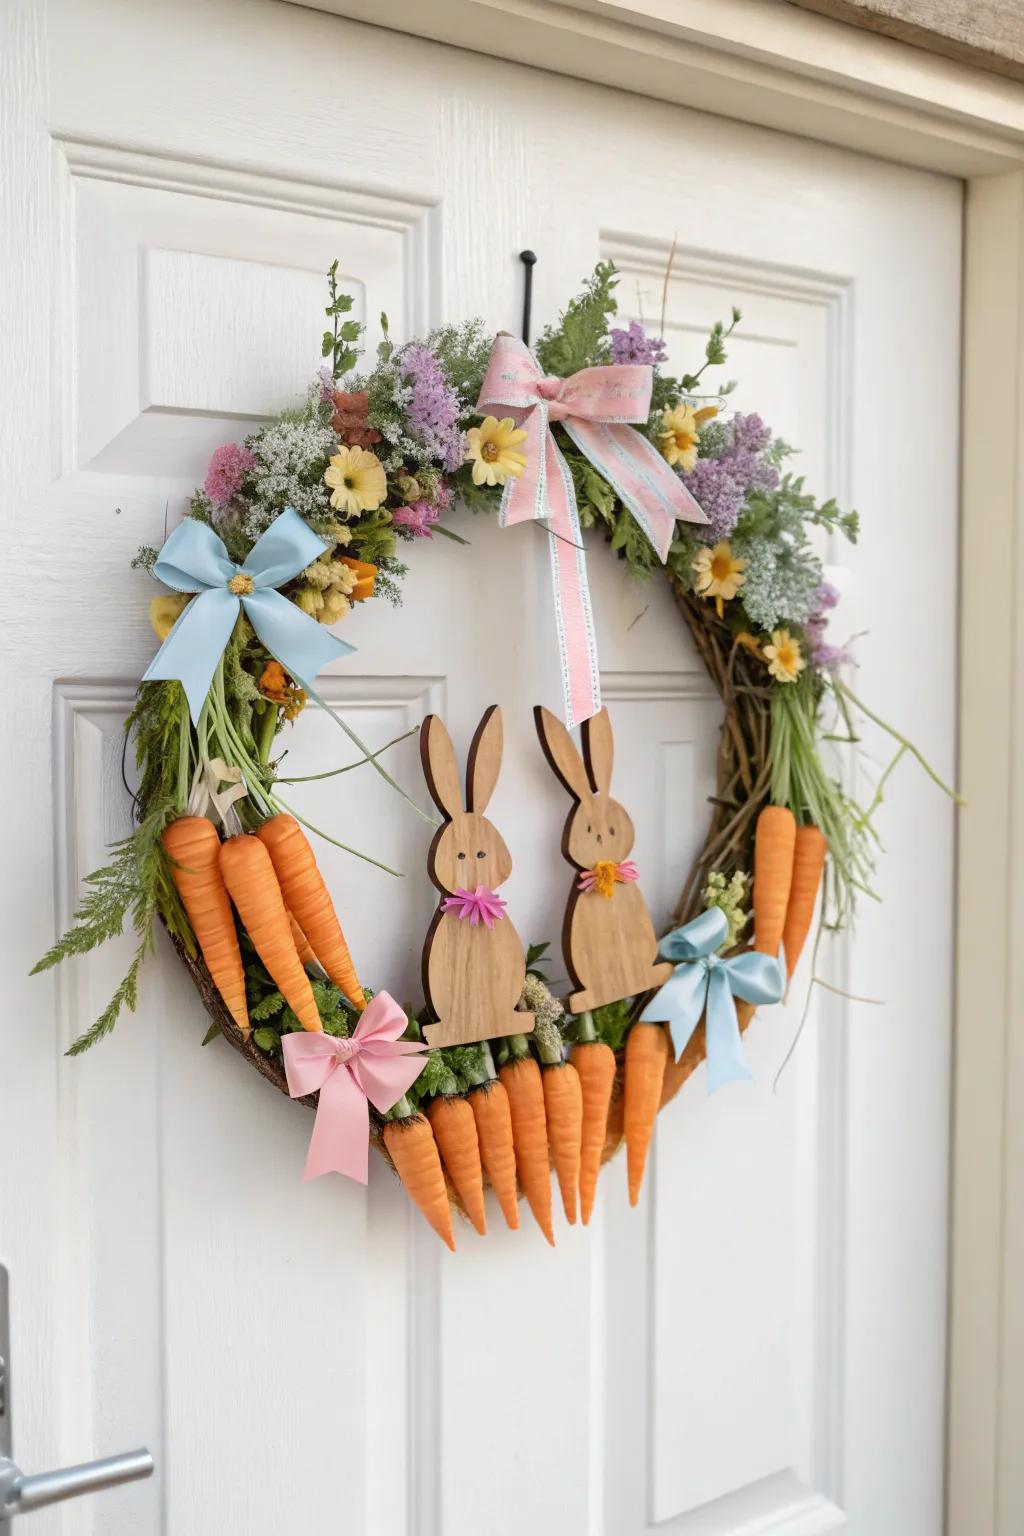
[760, 1346]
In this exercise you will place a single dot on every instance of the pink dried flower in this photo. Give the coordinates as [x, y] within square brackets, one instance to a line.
[480, 905]
[418, 519]
[229, 465]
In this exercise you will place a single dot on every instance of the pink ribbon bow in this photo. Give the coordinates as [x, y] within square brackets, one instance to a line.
[595, 406]
[480, 906]
[373, 1064]
[604, 875]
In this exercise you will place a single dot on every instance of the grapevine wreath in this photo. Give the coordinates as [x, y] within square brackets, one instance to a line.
[495, 1079]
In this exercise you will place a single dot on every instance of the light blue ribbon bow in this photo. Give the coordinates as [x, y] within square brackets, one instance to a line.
[704, 983]
[194, 560]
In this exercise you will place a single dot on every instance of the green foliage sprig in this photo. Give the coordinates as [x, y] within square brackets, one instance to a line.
[338, 342]
[668, 391]
[580, 338]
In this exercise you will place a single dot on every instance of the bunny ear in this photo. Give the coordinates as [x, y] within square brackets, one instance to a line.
[599, 750]
[484, 760]
[560, 751]
[440, 769]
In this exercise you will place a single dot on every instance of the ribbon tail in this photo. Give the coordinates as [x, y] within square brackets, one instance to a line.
[341, 1130]
[300, 644]
[195, 645]
[645, 484]
[574, 619]
[726, 1062]
[525, 495]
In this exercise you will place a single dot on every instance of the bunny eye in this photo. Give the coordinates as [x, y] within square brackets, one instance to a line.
[481, 854]
[588, 826]
[462, 855]
[611, 831]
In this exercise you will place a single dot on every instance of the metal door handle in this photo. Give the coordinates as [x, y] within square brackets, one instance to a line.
[20, 1494]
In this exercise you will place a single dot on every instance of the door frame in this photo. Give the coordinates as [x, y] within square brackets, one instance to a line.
[778, 67]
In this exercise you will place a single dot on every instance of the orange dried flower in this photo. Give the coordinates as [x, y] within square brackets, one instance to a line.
[274, 685]
[366, 572]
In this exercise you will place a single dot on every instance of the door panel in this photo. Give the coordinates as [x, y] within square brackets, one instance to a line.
[759, 1347]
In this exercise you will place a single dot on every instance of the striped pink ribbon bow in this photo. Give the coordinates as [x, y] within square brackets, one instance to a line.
[596, 407]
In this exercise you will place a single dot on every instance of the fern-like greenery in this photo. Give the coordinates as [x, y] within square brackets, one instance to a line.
[580, 339]
[135, 887]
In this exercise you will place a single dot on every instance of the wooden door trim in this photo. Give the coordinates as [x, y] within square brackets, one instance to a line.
[753, 60]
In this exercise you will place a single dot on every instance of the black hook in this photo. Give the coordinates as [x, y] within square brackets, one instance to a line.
[529, 261]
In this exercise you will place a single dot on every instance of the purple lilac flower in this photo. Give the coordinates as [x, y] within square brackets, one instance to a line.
[635, 346]
[719, 496]
[824, 655]
[723, 483]
[326, 383]
[829, 657]
[751, 470]
[749, 434]
[229, 465]
[432, 415]
[418, 519]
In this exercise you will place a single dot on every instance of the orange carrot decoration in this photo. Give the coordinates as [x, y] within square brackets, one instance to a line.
[595, 1065]
[774, 845]
[774, 842]
[302, 948]
[563, 1096]
[306, 895]
[809, 853]
[252, 885]
[193, 847]
[411, 1147]
[563, 1105]
[497, 1150]
[522, 1080]
[489, 1102]
[454, 1126]
[647, 1051]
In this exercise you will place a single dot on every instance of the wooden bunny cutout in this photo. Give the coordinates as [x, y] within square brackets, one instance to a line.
[473, 961]
[607, 937]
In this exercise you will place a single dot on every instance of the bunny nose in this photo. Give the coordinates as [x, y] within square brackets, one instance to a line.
[600, 839]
